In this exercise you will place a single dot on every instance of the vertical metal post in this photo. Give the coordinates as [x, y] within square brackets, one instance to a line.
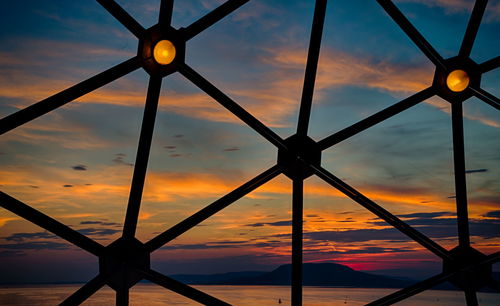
[471, 297]
[459, 165]
[297, 217]
[122, 297]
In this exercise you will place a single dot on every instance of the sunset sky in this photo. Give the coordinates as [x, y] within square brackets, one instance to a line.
[75, 164]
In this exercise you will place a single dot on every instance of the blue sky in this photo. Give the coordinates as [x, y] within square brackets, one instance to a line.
[75, 164]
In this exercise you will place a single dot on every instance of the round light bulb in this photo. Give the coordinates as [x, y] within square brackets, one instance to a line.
[164, 52]
[457, 80]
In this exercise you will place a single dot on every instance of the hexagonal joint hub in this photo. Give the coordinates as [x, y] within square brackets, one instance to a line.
[452, 64]
[122, 262]
[149, 40]
[302, 150]
[463, 257]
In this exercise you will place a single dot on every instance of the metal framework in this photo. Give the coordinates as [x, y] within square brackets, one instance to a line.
[126, 261]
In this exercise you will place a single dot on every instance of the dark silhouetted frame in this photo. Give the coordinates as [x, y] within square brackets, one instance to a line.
[126, 261]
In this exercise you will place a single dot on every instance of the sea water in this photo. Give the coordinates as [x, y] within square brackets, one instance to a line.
[148, 294]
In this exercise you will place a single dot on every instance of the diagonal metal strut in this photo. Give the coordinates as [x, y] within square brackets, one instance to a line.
[232, 106]
[381, 212]
[376, 118]
[122, 16]
[212, 209]
[141, 161]
[213, 17]
[412, 33]
[472, 27]
[51, 103]
[50, 224]
[311, 67]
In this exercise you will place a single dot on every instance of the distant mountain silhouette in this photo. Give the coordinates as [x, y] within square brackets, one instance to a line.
[323, 274]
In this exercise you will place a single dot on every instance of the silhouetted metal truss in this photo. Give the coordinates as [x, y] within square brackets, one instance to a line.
[126, 261]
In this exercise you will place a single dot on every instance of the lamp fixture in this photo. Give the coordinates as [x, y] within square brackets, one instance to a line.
[164, 52]
[457, 80]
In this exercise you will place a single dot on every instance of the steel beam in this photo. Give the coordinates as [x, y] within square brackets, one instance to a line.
[297, 223]
[141, 160]
[411, 290]
[490, 64]
[123, 17]
[122, 297]
[486, 97]
[376, 118]
[230, 105]
[311, 67]
[36, 217]
[412, 33]
[166, 10]
[472, 28]
[381, 212]
[211, 18]
[85, 291]
[460, 181]
[182, 289]
[471, 297]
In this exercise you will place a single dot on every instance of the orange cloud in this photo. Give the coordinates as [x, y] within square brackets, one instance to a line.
[56, 130]
[143, 215]
[44, 188]
[338, 69]
[162, 186]
[274, 102]
[31, 51]
[4, 220]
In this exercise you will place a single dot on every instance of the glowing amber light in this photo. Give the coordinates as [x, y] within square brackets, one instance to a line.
[457, 80]
[164, 52]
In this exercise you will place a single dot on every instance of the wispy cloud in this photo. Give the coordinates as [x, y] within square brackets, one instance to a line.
[273, 102]
[120, 159]
[56, 130]
[144, 215]
[461, 6]
[79, 168]
[165, 186]
[230, 149]
[426, 215]
[20, 237]
[100, 232]
[493, 214]
[339, 68]
[103, 223]
[208, 245]
[476, 171]
[276, 223]
[4, 220]
[35, 245]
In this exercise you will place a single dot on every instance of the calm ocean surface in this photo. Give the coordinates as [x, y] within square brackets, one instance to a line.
[146, 294]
